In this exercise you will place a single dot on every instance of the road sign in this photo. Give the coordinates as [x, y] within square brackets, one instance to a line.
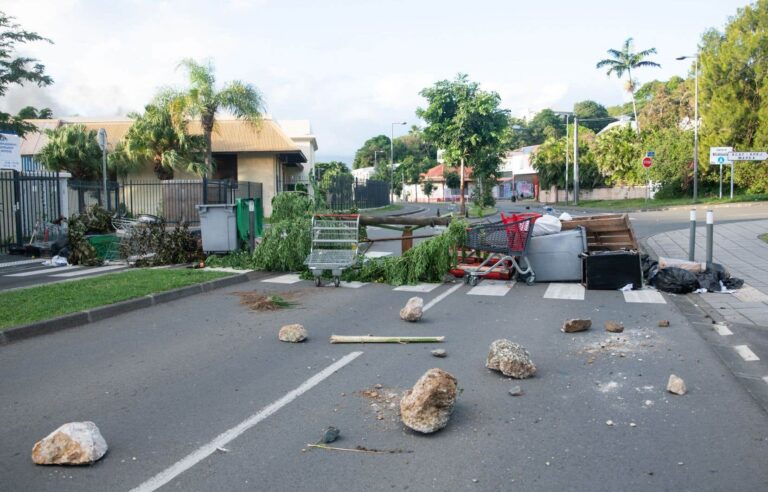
[748, 156]
[719, 155]
[10, 152]
[647, 162]
[650, 153]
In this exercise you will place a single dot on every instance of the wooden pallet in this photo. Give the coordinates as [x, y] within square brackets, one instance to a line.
[605, 232]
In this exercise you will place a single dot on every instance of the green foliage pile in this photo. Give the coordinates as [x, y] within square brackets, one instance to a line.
[286, 243]
[152, 244]
[428, 261]
[80, 250]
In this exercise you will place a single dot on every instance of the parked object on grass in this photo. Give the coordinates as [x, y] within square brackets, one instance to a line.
[335, 239]
[74, 443]
[511, 359]
[413, 309]
[428, 406]
[576, 325]
[556, 257]
[505, 243]
[375, 339]
[293, 333]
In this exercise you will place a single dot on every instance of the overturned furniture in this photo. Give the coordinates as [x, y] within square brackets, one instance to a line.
[610, 232]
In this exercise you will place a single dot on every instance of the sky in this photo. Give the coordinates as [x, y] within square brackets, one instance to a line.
[351, 67]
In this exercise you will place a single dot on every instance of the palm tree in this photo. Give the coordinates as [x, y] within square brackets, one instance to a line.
[72, 148]
[202, 100]
[155, 138]
[624, 61]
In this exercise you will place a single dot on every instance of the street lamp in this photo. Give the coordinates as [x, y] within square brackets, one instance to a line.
[567, 116]
[695, 125]
[392, 159]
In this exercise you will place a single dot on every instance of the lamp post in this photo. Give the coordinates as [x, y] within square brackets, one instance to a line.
[695, 125]
[567, 116]
[392, 160]
[102, 137]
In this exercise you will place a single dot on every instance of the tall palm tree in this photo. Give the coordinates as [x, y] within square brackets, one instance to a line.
[202, 100]
[624, 61]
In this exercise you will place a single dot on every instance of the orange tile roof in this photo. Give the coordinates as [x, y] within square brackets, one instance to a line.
[438, 172]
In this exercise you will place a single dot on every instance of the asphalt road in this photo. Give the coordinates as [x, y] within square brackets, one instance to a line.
[164, 382]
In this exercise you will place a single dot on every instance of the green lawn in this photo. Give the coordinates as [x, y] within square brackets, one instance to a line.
[637, 203]
[475, 212]
[23, 306]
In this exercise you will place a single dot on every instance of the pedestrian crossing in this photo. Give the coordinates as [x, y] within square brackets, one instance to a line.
[61, 272]
[499, 288]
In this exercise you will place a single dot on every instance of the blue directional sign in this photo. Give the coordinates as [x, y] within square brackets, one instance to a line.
[650, 153]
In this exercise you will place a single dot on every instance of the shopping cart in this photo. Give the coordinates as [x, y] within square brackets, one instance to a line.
[504, 242]
[334, 245]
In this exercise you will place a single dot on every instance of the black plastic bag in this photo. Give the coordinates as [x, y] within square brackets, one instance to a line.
[716, 277]
[675, 280]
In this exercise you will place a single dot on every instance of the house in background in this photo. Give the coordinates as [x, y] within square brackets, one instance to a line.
[518, 175]
[364, 173]
[242, 151]
[300, 131]
[441, 193]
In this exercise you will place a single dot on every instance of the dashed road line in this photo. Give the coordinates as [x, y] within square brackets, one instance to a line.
[9, 264]
[644, 296]
[442, 296]
[44, 271]
[290, 278]
[765, 378]
[746, 353]
[228, 436]
[722, 330]
[353, 284]
[417, 288]
[565, 291]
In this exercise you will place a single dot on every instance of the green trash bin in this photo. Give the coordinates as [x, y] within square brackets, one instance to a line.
[243, 217]
[107, 246]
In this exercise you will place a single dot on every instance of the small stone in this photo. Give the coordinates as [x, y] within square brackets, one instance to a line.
[614, 326]
[609, 423]
[378, 385]
[576, 325]
[474, 480]
[413, 309]
[648, 403]
[439, 353]
[330, 435]
[511, 359]
[663, 323]
[379, 417]
[676, 385]
[292, 333]
[427, 407]
[632, 424]
[516, 391]
[74, 443]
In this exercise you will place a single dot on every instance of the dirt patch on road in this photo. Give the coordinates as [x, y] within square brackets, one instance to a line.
[257, 301]
[624, 345]
[383, 402]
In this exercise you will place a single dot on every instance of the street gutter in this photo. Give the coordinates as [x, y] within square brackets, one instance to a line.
[73, 320]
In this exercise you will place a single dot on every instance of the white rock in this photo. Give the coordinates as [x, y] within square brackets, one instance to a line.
[676, 385]
[292, 333]
[511, 359]
[413, 309]
[74, 443]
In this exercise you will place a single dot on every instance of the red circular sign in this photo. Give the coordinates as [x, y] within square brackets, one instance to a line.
[647, 162]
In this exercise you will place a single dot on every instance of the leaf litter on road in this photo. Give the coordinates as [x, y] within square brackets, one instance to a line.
[267, 302]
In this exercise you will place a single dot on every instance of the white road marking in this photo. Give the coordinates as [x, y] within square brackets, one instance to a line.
[722, 330]
[442, 296]
[746, 353]
[749, 294]
[89, 271]
[417, 288]
[491, 288]
[644, 296]
[44, 271]
[565, 291]
[228, 436]
[290, 278]
[377, 254]
[765, 378]
[20, 262]
[353, 284]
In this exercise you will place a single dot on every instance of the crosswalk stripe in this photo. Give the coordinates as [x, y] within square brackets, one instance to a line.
[44, 271]
[746, 353]
[722, 330]
[644, 296]
[417, 288]
[9, 264]
[565, 291]
[290, 278]
[377, 254]
[491, 288]
[88, 271]
[353, 284]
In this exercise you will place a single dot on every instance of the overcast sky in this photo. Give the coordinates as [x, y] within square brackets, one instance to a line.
[351, 67]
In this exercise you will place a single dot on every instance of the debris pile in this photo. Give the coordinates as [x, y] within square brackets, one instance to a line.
[511, 359]
[427, 407]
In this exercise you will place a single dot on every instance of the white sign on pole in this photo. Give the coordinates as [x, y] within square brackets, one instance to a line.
[10, 151]
[748, 156]
[719, 155]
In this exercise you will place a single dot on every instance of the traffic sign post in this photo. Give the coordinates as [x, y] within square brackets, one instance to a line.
[719, 156]
[647, 162]
[732, 157]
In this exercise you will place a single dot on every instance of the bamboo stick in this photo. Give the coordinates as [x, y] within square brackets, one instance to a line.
[373, 339]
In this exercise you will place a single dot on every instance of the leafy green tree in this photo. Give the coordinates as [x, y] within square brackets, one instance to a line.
[590, 110]
[154, 138]
[673, 164]
[467, 123]
[518, 134]
[452, 180]
[734, 91]
[546, 124]
[549, 161]
[374, 150]
[618, 154]
[668, 104]
[31, 113]
[337, 167]
[625, 60]
[202, 100]
[428, 187]
[74, 149]
[18, 70]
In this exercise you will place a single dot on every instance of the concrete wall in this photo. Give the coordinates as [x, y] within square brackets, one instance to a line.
[262, 169]
[615, 193]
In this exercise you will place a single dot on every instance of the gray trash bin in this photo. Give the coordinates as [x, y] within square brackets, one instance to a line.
[555, 257]
[218, 227]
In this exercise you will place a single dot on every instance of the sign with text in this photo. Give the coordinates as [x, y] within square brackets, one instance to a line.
[748, 156]
[647, 162]
[719, 155]
[10, 151]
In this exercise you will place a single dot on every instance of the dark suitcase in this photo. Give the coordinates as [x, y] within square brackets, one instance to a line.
[611, 270]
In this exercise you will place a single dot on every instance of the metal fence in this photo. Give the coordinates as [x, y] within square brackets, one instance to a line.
[28, 202]
[346, 192]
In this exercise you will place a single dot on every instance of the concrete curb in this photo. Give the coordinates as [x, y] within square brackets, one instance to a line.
[74, 320]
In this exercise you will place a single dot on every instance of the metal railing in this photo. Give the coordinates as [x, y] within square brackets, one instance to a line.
[28, 201]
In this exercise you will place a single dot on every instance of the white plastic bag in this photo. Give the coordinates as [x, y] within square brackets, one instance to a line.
[546, 224]
[565, 216]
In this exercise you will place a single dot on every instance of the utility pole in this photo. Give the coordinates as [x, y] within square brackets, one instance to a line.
[576, 160]
[566, 157]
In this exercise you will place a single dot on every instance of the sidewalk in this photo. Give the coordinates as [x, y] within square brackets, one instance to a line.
[738, 248]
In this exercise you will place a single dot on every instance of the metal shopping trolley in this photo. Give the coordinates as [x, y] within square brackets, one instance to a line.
[335, 241]
[504, 242]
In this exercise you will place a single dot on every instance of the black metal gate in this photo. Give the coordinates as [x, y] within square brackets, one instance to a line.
[28, 201]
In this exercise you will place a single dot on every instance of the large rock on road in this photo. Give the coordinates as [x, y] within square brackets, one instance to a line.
[74, 443]
[511, 359]
[427, 407]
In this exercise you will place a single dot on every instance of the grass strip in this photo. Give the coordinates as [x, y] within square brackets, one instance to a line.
[638, 203]
[24, 306]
